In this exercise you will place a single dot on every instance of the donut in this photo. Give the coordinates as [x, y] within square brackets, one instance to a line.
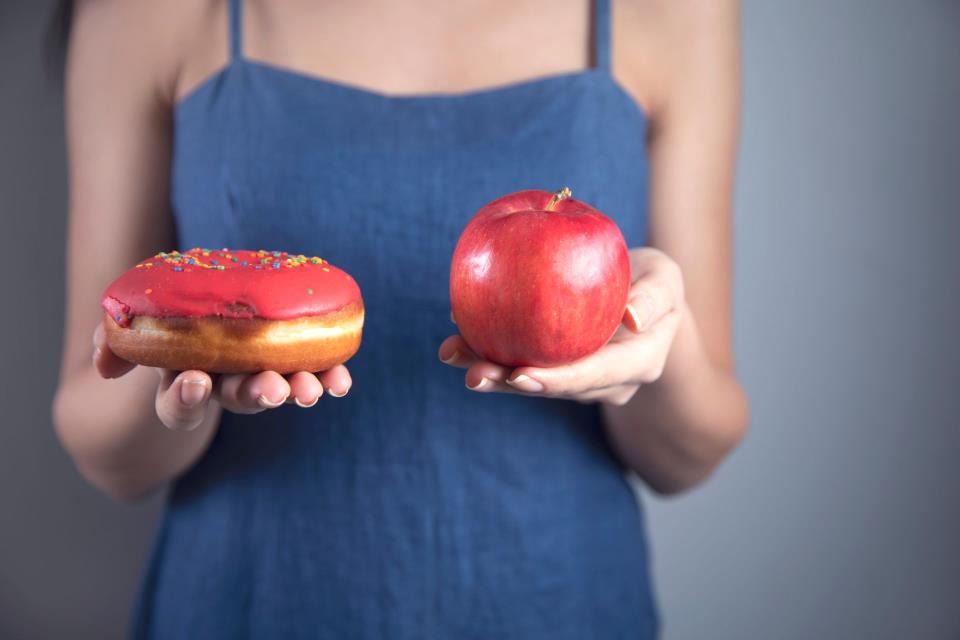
[234, 311]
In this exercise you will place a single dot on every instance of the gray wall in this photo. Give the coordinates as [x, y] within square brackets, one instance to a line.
[840, 515]
[69, 557]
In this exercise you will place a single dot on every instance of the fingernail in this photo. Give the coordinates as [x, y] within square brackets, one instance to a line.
[640, 308]
[335, 394]
[480, 385]
[634, 317]
[96, 353]
[297, 402]
[193, 391]
[264, 402]
[453, 358]
[525, 383]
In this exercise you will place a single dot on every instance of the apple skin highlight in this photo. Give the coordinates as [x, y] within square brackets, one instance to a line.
[539, 279]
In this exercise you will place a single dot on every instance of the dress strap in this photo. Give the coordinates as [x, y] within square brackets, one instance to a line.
[236, 30]
[601, 34]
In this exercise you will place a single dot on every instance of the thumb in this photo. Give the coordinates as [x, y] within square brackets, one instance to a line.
[182, 399]
[652, 296]
[106, 362]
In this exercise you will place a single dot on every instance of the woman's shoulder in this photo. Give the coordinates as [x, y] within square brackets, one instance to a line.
[172, 44]
[658, 43]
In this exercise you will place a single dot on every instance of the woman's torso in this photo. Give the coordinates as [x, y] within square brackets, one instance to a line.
[412, 507]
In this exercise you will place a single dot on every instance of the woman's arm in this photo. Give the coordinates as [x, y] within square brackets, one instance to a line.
[118, 136]
[131, 434]
[676, 430]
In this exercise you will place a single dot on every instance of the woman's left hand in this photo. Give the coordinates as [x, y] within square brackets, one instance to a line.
[635, 355]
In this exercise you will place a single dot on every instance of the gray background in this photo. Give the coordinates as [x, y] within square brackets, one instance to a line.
[840, 515]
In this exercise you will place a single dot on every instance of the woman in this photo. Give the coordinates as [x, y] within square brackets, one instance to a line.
[368, 133]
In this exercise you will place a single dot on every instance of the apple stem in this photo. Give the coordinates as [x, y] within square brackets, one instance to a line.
[557, 197]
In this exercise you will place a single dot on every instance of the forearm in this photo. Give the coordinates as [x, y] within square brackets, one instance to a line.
[111, 430]
[674, 432]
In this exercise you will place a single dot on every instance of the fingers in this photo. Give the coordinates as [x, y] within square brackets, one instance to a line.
[587, 375]
[455, 352]
[242, 393]
[657, 289]
[481, 375]
[638, 359]
[599, 370]
[182, 399]
[337, 381]
[248, 394]
[486, 376]
[305, 389]
[106, 362]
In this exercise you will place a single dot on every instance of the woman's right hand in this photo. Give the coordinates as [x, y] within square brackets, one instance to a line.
[183, 397]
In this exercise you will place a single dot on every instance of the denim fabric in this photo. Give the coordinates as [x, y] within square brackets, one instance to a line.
[411, 508]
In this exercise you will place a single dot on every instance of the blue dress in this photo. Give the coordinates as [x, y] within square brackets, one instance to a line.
[412, 508]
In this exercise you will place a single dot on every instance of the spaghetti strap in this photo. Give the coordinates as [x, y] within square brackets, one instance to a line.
[236, 30]
[601, 34]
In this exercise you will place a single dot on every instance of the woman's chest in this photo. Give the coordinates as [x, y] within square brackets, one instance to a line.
[383, 188]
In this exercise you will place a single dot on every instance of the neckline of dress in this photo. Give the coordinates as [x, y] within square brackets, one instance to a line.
[505, 87]
[322, 82]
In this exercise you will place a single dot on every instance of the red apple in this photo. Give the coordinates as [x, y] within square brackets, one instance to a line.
[539, 279]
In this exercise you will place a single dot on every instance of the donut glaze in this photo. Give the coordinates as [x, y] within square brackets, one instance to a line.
[224, 311]
[272, 285]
